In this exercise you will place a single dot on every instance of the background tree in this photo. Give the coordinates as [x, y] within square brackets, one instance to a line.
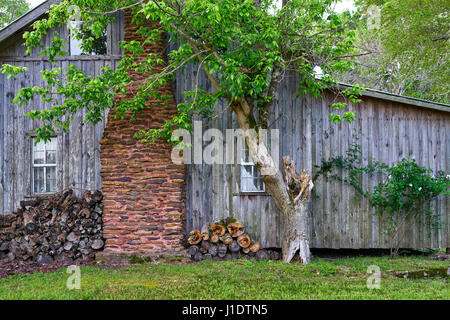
[245, 48]
[409, 44]
[11, 10]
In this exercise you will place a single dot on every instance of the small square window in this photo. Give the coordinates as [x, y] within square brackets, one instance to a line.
[251, 179]
[76, 45]
[44, 166]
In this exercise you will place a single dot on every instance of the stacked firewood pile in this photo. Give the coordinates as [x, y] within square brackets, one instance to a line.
[225, 240]
[51, 228]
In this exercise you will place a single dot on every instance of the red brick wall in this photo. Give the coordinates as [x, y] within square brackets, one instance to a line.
[143, 190]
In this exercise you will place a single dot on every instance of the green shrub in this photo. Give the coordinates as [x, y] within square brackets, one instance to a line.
[405, 196]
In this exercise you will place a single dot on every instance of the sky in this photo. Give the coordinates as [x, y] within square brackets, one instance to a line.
[345, 4]
[34, 3]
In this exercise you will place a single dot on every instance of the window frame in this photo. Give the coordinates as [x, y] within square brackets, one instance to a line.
[243, 163]
[44, 165]
[74, 42]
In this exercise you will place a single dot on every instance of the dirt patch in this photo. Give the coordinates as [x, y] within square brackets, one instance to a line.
[108, 260]
[28, 267]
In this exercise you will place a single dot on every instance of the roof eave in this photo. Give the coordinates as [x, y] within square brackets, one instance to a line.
[400, 99]
[26, 19]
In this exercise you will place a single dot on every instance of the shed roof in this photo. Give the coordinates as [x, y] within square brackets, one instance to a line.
[28, 18]
[401, 99]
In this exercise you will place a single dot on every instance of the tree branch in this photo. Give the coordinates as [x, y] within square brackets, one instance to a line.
[103, 13]
[194, 44]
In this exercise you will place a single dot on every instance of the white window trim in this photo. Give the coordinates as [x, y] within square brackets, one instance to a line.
[74, 43]
[45, 166]
[241, 178]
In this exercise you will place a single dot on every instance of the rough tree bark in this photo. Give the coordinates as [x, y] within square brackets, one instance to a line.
[290, 193]
[295, 222]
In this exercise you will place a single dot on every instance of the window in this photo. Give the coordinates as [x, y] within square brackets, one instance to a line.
[251, 179]
[44, 166]
[76, 45]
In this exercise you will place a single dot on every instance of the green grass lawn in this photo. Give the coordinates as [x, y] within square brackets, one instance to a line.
[238, 279]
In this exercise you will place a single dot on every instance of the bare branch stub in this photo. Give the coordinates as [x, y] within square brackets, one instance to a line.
[298, 187]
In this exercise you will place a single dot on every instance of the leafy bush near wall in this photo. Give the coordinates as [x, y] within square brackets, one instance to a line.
[402, 198]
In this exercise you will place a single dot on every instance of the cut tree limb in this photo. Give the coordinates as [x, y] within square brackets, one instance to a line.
[234, 246]
[226, 247]
[193, 250]
[198, 257]
[244, 241]
[222, 250]
[207, 256]
[235, 229]
[213, 250]
[218, 229]
[195, 237]
[255, 246]
[214, 238]
[226, 238]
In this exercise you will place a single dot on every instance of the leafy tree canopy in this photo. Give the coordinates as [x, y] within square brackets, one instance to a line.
[245, 48]
[11, 10]
[409, 44]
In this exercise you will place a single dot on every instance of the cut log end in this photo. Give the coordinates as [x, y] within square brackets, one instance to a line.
[213, 241]
[255, 246]
[217, 229]
[244, 241]
[234, 246]
[235, 229]
[193, 250]
[195, 237]
[226, 239]
[215, 238]
[222, 250]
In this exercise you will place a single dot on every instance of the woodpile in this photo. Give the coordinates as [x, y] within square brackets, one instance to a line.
[55, 227]
[225, 240]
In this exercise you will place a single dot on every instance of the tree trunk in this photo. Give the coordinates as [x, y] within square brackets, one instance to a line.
[291, 201]
[295, 233]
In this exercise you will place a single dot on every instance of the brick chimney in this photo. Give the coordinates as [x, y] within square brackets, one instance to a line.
[144, 192]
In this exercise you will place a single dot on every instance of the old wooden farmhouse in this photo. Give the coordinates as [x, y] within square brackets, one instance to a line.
[150, 203]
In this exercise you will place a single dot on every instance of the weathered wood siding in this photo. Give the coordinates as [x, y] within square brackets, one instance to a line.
[78, 154]
[388, 131]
